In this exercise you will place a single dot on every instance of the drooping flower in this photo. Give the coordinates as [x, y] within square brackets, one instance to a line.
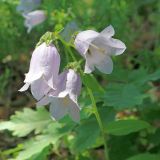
[26, 6]
[34, 18]
[43, 71]
[64, 100]
[97, 49]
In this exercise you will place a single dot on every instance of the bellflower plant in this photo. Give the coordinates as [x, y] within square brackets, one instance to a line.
[61, 91]
[34, 18]
[97, 49]
[43, 71]
[116, 117]
[64, 100]
[26, 6]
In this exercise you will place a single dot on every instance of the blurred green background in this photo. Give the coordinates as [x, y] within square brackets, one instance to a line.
[137, 24]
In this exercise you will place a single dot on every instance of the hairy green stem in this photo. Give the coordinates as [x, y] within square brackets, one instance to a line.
[99, 122]
[94, 105]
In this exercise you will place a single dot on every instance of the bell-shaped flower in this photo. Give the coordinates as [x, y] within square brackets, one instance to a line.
[64, 100]
[43, 71]
[97, 49]
[26, 6]
[33, 19]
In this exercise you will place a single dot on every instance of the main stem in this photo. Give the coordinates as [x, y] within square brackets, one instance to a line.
[99, 122]
[95, 108]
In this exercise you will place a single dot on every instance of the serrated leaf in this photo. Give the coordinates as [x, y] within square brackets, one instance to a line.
[36, 146]
[138, 76]
[22, 123]
[141, 76]
[42, 155]
[51, 137]
[122, 96]
[146, 156]
[124, 127]
[87, 134]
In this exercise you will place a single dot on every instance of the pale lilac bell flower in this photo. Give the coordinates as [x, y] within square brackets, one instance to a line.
[97, 49]
[64, 100]
[33, 19]
[43, 71]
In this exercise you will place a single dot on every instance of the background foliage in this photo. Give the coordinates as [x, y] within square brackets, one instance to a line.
[129, 107]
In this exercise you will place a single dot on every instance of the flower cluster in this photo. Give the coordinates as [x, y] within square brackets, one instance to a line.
[32, 17]
[61, 91]
[50, 87]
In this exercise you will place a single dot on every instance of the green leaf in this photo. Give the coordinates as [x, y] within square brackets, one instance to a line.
[141, 76]
[107, 114]
[124, 127]
[22, 123]
[87, 134]
[121, 147]
[42, 155]
[51, 137]
[36, 146]
[138, 76]
[122, 96]
[145, 156]
[91, 82]
[155, 138]
[155, 76]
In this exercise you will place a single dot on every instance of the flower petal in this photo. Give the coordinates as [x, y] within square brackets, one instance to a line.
[74, 112]
[108, 32]
[106, 65]
[57, 108]
[35, 68]
[34, 18]
[109, 46]
[69, 83]
[45, 61]
[61, 106]
[117, 47]
[33, 77]
[89, 68]
[83, 40]
[24, 88]
[39, 88]
[63, 94]
[64, 99]
[61, 85]
[50, 65]
[44, 101]
[94, 56]
[73, 84]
